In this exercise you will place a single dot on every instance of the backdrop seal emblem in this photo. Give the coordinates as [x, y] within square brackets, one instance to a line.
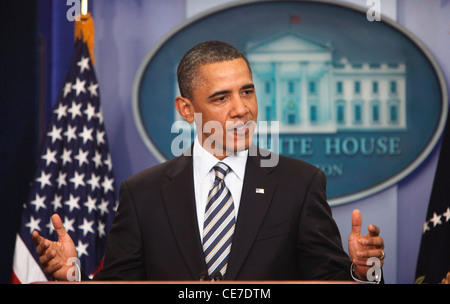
[364, 101]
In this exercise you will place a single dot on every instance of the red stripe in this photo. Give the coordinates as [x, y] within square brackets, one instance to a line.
[100, 266]
[14, 279]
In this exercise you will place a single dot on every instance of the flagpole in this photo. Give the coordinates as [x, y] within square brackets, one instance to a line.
[84, 28]
[84, 7]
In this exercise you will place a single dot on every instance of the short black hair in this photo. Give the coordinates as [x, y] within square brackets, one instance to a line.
[204, 53]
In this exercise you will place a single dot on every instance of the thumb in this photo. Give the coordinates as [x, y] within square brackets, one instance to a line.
[59, 227]
[356, 221]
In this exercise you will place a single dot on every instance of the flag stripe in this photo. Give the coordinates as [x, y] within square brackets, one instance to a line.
[26, 269]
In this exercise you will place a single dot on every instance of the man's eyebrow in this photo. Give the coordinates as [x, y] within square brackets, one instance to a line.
[248, 86]
[219, 93]
[244, 87]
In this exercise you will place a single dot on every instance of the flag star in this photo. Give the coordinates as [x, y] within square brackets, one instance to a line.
[103, 207]
[79, 86]
[38, 202]
[50, 226]
[82, 157]
[61, 111]
[66, 156]
[436, 219]
[447, 214]
[70, 133]
[67, 88]
[86, 134]
[99, 115]
[90, 111]
[93, 89]
[100, 137]
[86, 227]
[50, 157]
[75, 109]
[33, 224]
[101, 229]
[72, 202]
[44, 179]
[97, 159]
[82, 248]
[108, 184]
[83, 64]
[57, 202]
[108, 162]
[90, 204]
[77, 180]
[116, 206]
[61, 180]
[94, 181]
[55, 133]
[68, 224]
[425, 227]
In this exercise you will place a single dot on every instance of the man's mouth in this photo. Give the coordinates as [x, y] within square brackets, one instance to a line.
[241, 129]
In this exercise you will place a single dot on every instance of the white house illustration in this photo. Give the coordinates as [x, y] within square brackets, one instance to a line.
[298, 84]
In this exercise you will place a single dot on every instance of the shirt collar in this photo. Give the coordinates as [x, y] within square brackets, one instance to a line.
[205, 161]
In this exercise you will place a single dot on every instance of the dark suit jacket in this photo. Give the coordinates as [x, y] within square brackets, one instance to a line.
[287, 233]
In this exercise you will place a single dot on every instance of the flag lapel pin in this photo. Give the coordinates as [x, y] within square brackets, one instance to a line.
[260, 190]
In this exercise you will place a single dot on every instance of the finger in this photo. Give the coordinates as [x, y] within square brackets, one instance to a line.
[375, 253]
[360, 262]
[50, 269]
[373, 230]
[59, 227]
[35, 237]
[46, 258]
[364, 263]
[372, 241]
[42, 247]
[356, 221]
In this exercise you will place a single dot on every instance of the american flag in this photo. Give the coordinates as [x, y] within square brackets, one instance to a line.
[74, 176]
[433, 262]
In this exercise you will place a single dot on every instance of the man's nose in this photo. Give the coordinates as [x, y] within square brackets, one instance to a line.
[239, 107]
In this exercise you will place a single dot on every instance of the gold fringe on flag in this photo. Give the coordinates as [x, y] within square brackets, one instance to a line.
[84, 29]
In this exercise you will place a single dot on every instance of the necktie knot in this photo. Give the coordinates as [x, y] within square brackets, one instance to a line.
[221, 170]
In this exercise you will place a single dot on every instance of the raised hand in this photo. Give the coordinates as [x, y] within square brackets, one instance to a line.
[54, 256]
[362, 247]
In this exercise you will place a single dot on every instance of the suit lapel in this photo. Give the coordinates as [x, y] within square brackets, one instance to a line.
[252, 211]
[179, 200]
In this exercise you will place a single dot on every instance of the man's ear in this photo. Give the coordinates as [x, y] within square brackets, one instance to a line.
[185, 108]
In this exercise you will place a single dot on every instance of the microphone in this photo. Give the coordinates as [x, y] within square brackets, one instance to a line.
[218, 276]
[203, 276]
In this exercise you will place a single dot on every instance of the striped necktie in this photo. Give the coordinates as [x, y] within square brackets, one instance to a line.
[218, 227]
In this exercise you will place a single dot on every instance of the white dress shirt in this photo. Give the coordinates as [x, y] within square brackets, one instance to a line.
[204, 176]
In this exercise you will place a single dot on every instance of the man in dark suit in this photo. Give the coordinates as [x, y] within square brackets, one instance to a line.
[217, 212]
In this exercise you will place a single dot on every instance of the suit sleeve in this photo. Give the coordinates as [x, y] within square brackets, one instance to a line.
[124, 253]
[320, 252]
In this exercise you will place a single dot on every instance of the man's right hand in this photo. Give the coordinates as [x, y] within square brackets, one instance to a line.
[53, 256]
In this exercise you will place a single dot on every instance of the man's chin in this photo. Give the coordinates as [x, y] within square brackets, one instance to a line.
[238, 146]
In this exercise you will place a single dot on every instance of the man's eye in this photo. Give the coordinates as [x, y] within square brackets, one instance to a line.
[222, 98]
